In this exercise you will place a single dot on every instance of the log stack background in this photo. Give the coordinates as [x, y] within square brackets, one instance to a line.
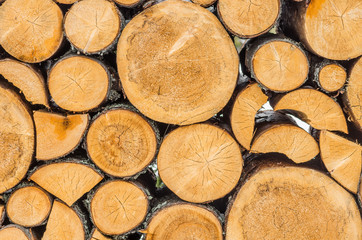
[148, 119]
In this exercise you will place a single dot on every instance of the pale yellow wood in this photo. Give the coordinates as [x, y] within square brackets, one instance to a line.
[342, 158]
[97, 235]
[319, 110]
[204, 3]
[294, 142]
[56, 134]
[118, 206]
[176, 62]
[332, 77]
[184, 221]
[200, 162]
[128, 3]
[65, 180]
[242, 119]
[12, 233]
[16, 139]
[293, 203]
[27, 79]
[63, 223]
[248, 18]
[92, 25]
[31, 30]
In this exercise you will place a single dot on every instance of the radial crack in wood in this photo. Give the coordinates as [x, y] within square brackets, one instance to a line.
[248, 18]
[200, 162]
[169, 66]
[292, 203]
[118, 207]
[16, 139]
[63, 223]
[65, 180]
[78, 83]
[92, 25]
[319, 110]
[342, 158]
[57, 135]
[246, 105]
[31, 30]
[184, 221]
[29, 81]
[121, 142]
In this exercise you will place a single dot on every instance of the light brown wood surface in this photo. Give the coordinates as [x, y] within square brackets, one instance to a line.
[118, 206]
[65, 180]
[56, 134]
[246, 18]
[319, 110]
[200, 162]
[31, 30]
[78, 83]
[184, 221]
[169, 66]
[342, 158]
[66, 1]
[128, 3]
[292, 203]
[16, 139]
[204, 3]
[97, 235]
[242, 119]
[121, 142]
[92, 25]
[13, 232]
[28, 206]
[29, 81]
[332, 77]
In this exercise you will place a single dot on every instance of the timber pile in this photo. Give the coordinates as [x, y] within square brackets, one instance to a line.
[180, 119]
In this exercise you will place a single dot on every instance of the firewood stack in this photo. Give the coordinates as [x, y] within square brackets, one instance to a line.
[175, 119]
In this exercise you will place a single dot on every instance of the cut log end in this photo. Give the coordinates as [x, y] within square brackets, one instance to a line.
[58, 135]
[319, 110]
[63, 223]
[177, 77]
[28, 206]
[246, 105]
[128, 3]
[342, 158]
[248, 19]
[92, 25]
[279, 65]
[16, 139]
[31, 35]
[12, 232]
[204, 3]
[294, 142]
[200, 163]
[97, 235]
[332, 77]
[121, 142]
[67, 181]
[292, 203]
[184, 221]
[78, 83]
[118, 207]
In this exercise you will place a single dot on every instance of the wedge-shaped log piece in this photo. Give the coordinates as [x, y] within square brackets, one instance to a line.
[63, 223]
[28, 206]
[200, 162]
[26, 79]
[118, 207]
[78, 83]
[353, 95]
[170, 67]
[246, 105]
[121, 142]
[292, 203]
[316, 108]
[342, 158]
[56, 134]
[67, 181]
[248, 19]
[184, 221]
[16, 139]
[294, 142]
[97, 235]
[14, 232]
[92, 25]
[31, 30]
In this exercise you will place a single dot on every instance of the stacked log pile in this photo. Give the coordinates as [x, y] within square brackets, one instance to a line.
[177, 119]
